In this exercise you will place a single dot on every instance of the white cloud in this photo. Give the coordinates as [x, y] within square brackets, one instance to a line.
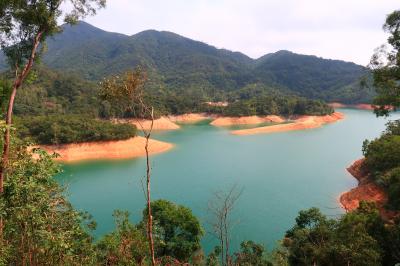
[340, 29]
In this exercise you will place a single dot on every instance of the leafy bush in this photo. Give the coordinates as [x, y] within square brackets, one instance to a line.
[382, 159]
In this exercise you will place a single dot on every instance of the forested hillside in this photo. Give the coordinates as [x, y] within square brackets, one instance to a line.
[180, 64]
[52, 92]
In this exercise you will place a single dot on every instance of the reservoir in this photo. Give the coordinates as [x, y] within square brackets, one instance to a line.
[279, 174]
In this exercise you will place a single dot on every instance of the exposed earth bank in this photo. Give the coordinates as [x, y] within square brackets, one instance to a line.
[365, 191]
[106, 150]
[246, 120]
[189, 118]
[300, 123]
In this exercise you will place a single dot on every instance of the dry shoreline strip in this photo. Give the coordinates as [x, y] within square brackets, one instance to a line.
[166, 122]
[246, 120]
[366, 190]
[106, 150]
[134, 147]
[162, 123]
[189, 118]
[301, 123]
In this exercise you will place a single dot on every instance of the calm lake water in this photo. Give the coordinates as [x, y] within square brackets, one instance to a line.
[280, 174]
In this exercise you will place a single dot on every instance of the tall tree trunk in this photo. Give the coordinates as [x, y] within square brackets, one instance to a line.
[222, 246]
[148, 177]
[19, 79]
[227, 256]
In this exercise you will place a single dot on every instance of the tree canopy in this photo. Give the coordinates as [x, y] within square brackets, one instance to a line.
[178, 232]
[385, 64]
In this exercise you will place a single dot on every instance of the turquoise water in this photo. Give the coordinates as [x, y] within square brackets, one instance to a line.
[280, 174]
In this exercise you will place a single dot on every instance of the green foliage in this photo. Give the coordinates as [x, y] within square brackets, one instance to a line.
[382, 159]
[177, 231]
[317, 240]
[386, 67]
[383, 153]
[125, 95]
[41, 227]
[276, 105]
[127, 245]
[23, 23]
[5, 90]
[56, 129]
[251, 254]
[313, 77]
[213, 257]
[57, 93]
[178, 64]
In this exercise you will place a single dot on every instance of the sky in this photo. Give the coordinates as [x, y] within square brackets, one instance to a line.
[348, 30]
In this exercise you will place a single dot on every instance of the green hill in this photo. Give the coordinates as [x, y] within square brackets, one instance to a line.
[180, 64]
[312, 76]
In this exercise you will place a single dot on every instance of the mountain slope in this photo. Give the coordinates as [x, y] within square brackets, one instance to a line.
[176, 60]
[179, 63]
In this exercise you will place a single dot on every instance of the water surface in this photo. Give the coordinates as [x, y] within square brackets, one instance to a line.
[280, 174]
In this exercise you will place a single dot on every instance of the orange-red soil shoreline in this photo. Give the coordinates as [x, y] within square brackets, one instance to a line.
[121, 149]
[301, 123]
[224, 121]
[189, 118]
[365, 191]
[162, 123]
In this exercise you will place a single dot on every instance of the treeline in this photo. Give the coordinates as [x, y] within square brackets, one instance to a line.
[279, 105]
[57, 108]
[253, 100]
[50, 92]
[56, 129]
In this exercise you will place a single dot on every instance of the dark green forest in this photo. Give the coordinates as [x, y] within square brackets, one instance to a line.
[56, 129]
[181, 65]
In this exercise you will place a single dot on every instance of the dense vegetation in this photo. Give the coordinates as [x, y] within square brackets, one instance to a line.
[278, 104]
[55, 129]
[382, 157]
[178, 64]
[385, 65]
[50, 92]
[360, 237]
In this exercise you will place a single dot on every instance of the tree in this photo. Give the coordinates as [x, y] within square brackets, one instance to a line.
[125, 246]
[42, 227]
[317, 240]
[385, 65]
[221, 207]
[177, 231]
[126, 93]
[251, 254]
[24, 27]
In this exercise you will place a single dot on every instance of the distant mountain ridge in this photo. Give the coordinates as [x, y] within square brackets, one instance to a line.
[177, 62]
